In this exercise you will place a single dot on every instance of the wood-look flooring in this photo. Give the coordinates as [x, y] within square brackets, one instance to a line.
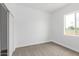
[45, 49]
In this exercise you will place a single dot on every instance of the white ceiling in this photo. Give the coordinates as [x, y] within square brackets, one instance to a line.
[47, 7]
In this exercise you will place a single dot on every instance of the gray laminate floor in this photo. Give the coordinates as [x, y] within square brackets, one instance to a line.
[46, 49]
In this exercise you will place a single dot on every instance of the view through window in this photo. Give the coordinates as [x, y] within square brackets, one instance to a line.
[71, 23]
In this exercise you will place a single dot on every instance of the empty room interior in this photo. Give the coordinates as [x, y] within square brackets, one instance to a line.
[39, 29]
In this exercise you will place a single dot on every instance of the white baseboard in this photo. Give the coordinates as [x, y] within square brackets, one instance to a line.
[66, 46]
[35, 43]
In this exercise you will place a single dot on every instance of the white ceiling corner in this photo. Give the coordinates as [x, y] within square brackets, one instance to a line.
[47, 7]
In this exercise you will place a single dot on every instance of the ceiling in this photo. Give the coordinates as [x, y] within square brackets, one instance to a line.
[47, 7]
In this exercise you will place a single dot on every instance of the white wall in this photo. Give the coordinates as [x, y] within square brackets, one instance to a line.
[57, 28]
[30, 25]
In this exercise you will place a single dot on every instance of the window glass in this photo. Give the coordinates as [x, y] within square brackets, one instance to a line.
[70, 24]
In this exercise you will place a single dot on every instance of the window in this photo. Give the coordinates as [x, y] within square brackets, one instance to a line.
[71, 24]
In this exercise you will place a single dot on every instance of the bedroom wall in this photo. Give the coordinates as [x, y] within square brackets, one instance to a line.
[30, 25]
[57, 28]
